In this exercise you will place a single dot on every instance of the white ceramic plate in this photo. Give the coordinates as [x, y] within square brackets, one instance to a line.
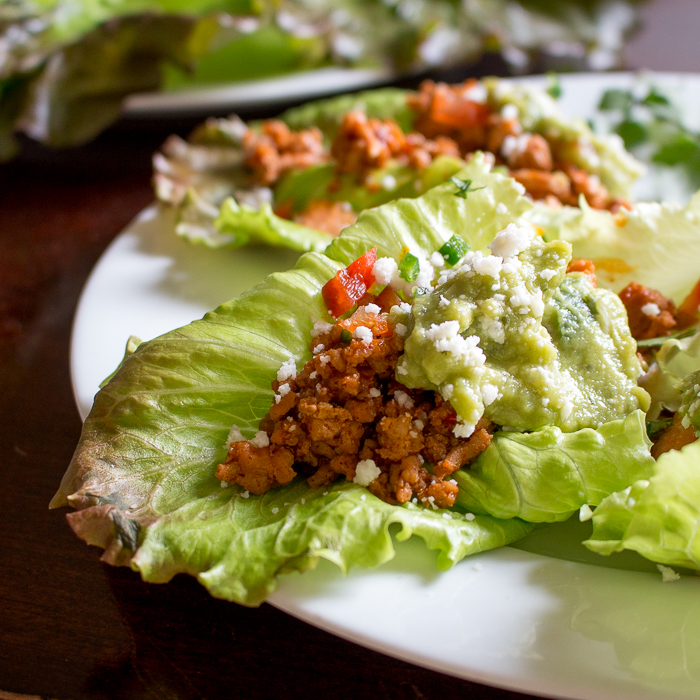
[255, 93]
[518, 619]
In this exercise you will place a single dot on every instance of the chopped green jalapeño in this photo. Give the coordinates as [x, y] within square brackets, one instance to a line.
[345, 336]
[453, 251]
[409, 267]
[464, 187]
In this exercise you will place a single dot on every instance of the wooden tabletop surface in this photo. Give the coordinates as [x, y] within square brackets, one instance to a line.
[70, 626]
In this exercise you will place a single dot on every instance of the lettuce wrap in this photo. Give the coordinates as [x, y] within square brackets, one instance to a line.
[142, 477]
[210, 183]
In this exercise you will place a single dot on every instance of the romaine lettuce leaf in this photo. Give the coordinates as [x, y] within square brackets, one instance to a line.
[547, 475]
[660, 517]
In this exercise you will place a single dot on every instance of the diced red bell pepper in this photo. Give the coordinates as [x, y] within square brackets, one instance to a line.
[349, 285]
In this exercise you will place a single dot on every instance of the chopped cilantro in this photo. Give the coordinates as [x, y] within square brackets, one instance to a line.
[464, 187]
[652, 121]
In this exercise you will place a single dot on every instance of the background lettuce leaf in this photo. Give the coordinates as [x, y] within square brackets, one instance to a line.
[658, 518]
[657, 245]
[547, 475]
[246, 225]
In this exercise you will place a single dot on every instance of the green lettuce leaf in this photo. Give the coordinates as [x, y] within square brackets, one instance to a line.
[547, 475]
[237, 546]
[143, 476]
[656, 245]
[660, 517]
[245, 225]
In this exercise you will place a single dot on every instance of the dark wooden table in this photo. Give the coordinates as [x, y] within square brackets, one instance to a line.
[70, 626]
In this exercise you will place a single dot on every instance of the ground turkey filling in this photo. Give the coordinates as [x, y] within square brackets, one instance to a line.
[448, 121]
[344, 414]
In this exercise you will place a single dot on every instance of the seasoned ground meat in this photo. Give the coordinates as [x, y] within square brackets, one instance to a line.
[276, 150]
[363, 144]
[449, 120]
[673, 438]
[650, 313]
[452, 111]
[324, 215]
[344, 414]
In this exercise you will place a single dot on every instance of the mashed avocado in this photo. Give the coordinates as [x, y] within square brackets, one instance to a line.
[511, 336]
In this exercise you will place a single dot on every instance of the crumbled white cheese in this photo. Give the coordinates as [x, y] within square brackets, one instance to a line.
[470, 516]
[313, 375]
[275, 511]
[284, 389]
[372, 309]
[477, 93]
[668, 574]
[501, 208]
[547, 274]
[245, 494]
[375, 393]
[489, 393]
[260, 439]
[510, 111]
[419, 424]
[320, 327]
[490, 265]
[651, 309]
[447, 391]
[364, 334]
[234, 435]
[318, 349]
[224, 484]
[366, 472]
[515, 145]
[384, 270]
[288, 370]
[324, 359]
[463, 430]
[446, 338]
[524, 302]
[437, 260]
[585, 513]
[512, 240]
[388, 182]
[401, 329]
[426, 275]
[493, 328]
[403, 399]
[566, 409]
[444, 301]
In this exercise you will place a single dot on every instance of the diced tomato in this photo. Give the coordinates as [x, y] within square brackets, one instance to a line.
[349, 285]
[364, 266]
[459, 113]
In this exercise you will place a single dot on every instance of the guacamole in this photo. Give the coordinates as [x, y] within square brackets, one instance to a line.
[511, 336]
